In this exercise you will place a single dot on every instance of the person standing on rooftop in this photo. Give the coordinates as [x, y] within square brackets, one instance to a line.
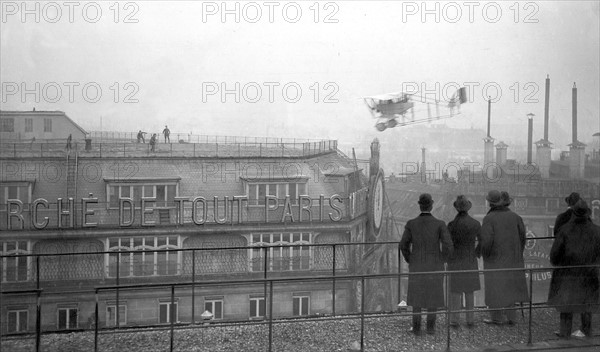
[503, 239]
[465, 232]
[425, 245]
[166, 132]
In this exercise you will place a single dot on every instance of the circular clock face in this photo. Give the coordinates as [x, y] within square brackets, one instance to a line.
[377, 201]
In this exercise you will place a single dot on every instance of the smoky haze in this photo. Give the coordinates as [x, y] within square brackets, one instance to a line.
[300, 69]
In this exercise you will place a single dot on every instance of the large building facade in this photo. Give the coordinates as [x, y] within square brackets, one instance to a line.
[159, 216]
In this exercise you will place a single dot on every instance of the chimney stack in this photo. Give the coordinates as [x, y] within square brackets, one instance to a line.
[489, 117]
[547, 108]
[423, 167]
[501, 153]
[577, 149]
[574, 112]
[488, 143]
[544, 151]
[529, 138]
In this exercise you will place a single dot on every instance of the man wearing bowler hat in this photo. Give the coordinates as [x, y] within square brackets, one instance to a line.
[564, 218]
[502, 244]
[420, 246]
[464, 231]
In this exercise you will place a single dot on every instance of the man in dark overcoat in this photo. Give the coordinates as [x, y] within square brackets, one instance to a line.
[575, 290]
[502, 244]
[465, 231]
[564, 218]
[425, 245]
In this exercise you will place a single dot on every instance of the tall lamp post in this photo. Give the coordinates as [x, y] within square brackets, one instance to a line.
[529, 137]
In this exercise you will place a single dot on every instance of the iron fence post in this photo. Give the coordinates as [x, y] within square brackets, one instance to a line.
[172, 315]
[193, 286]
[117, 290]
[399, 273]
[96, 323]
[38, 322]
[265, 275]
[270, 316]
[333, 280]
[38, 311]
[529, 342]
[362, 313]
[37, 272]
[448, 281]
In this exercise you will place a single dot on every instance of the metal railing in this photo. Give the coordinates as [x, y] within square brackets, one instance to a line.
[175, 137]
[333, 275]
[206, 149]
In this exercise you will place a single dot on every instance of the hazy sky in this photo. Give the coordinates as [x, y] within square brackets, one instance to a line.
[170, 61]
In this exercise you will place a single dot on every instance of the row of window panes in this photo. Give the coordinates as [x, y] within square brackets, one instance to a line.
[68, 317]
[165, 194]
[258, 191]
[149, 263]
[281, 258]
[144, 263]
[8, 125]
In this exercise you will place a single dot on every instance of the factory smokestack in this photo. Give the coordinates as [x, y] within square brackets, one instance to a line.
[529, 138]
[489, 116]
[577, 150]
[547, 108]
[574, 113]
[488, 145]
[544, 151]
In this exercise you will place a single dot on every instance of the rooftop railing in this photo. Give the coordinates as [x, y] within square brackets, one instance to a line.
[115, 290]
[219, 148]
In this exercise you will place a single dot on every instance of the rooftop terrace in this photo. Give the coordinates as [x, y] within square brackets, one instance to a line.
[125, 144]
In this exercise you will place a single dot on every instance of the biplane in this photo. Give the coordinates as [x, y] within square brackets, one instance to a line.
[401, 109]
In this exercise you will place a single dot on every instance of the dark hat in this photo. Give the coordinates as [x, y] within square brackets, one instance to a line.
[506, 199]
[494, 197]
[580, 209]
[425, 199]
[462, 204]
[572, 198]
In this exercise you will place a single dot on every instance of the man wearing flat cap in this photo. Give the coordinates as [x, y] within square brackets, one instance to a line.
[425, 245]
[465, 231]
[564, 218]
[502, 244]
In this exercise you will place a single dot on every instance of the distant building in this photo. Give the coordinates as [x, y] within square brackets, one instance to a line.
[41, 125]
